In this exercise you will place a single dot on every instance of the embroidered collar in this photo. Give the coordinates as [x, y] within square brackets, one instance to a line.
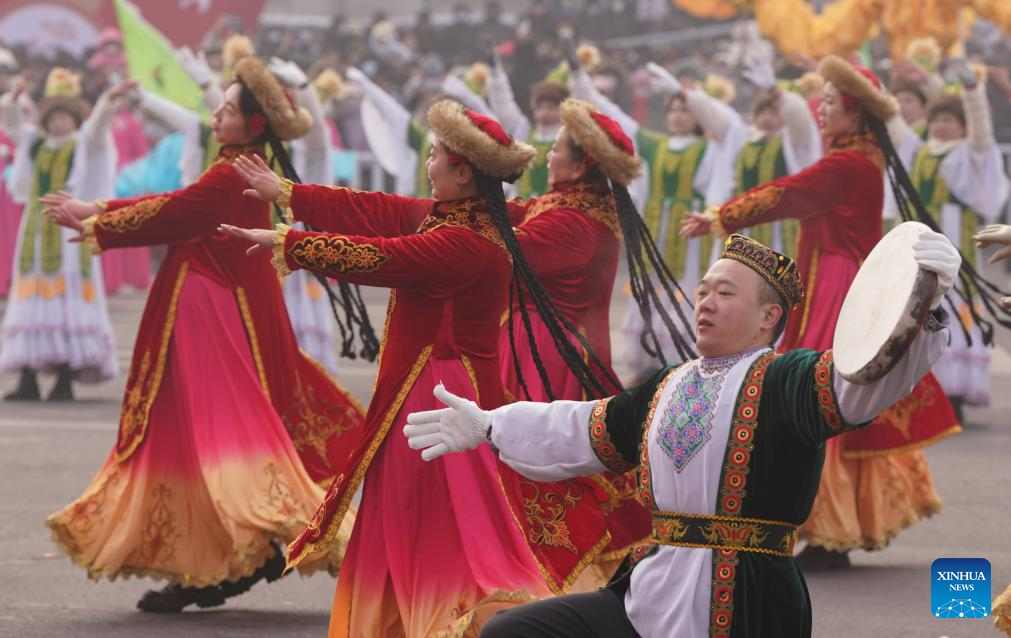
[863, 143]
[469, 212]
[721, 365]
[590, 197]
[230, 152]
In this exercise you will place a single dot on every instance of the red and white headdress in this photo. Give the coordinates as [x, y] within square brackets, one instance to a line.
[602, 139]
[859, 84]
[480, 139]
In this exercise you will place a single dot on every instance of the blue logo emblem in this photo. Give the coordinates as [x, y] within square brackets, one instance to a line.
[960, 588]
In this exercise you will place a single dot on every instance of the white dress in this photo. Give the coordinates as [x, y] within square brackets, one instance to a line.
[59, 316]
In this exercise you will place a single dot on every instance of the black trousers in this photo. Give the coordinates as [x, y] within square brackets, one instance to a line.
[599, 614]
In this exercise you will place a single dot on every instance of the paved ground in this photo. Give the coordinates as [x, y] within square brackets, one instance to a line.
[49, 453]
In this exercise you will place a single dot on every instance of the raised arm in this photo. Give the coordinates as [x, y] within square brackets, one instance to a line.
[802, 143]
[582, 87]
[183, 120]
[457, 89]
[503, 103]
[95, 129]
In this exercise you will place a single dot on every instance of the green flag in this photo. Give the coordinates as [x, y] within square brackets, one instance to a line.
[151, 59]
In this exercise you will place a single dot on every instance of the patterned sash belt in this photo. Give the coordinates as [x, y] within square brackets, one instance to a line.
[724, 532]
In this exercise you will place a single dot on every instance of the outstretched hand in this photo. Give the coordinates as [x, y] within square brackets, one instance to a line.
[999, 234]
[66, 210]
[261, 238]
[264, 183]
[696, 225]
[461, 426]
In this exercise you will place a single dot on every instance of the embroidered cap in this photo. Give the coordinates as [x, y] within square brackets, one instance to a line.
[602, 139]
[779, 270]
[62, 93]
[480, 139]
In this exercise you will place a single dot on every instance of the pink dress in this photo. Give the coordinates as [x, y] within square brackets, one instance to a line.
[128, 265]
[10, 217]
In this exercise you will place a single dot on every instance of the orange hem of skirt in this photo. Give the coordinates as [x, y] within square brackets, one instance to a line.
[872, 544]
[866, 454]
[251, 557]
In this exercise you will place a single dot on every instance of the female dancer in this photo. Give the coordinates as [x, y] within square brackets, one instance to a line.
[220, 404]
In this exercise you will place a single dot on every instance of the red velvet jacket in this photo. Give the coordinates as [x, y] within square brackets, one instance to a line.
[572, 240]
[450, 273]
[312, 407]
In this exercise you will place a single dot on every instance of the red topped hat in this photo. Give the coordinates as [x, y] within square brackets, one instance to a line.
[603, 140]
[480, 139]
[859, 84]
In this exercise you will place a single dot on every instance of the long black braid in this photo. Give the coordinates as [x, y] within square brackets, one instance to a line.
[596, 383]
[969, 281]
[346, 303]
[640, 248]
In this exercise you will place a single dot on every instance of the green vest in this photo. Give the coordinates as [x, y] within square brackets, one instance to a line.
[418, 139]
[50, 170]
[934, 193]
[761, 162]
[672, 194]
[534, 180]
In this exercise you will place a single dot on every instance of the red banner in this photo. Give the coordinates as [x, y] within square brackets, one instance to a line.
[74, 25]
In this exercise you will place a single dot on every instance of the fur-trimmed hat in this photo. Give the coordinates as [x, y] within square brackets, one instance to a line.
[602, 139]
[548, 91]
[860, 84]
[62, 93]
[480, 139]
[951, 104]
[287, 120]
[236, 48]
[778, 270]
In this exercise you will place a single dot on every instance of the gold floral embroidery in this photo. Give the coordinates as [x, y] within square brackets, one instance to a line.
[314, 539]
[747, 208]
[864, 144]
[130, 218]
[278, 495]
[87, 511]
[581, 196]
[277, 253]
[284, 201]
[159, 536]
[545, 512]
[465, 213]
[309, 420]
[142, 388]
[254, 344]
[336, 254]
[89, 234]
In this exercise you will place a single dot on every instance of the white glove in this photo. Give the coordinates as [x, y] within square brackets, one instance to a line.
[195, 66]
[662, 79]
[758, 70]
[461, 426]
[934, 252]
[287, 73]
[995, 234]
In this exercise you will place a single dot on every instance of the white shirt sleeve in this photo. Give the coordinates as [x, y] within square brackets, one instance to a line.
[546, 441]
[861, 403]
[582, 88]
[503, 103]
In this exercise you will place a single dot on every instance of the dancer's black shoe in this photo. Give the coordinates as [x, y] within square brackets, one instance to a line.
[173, 598]
[63, 390]
[270, 570]
[28, 388]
